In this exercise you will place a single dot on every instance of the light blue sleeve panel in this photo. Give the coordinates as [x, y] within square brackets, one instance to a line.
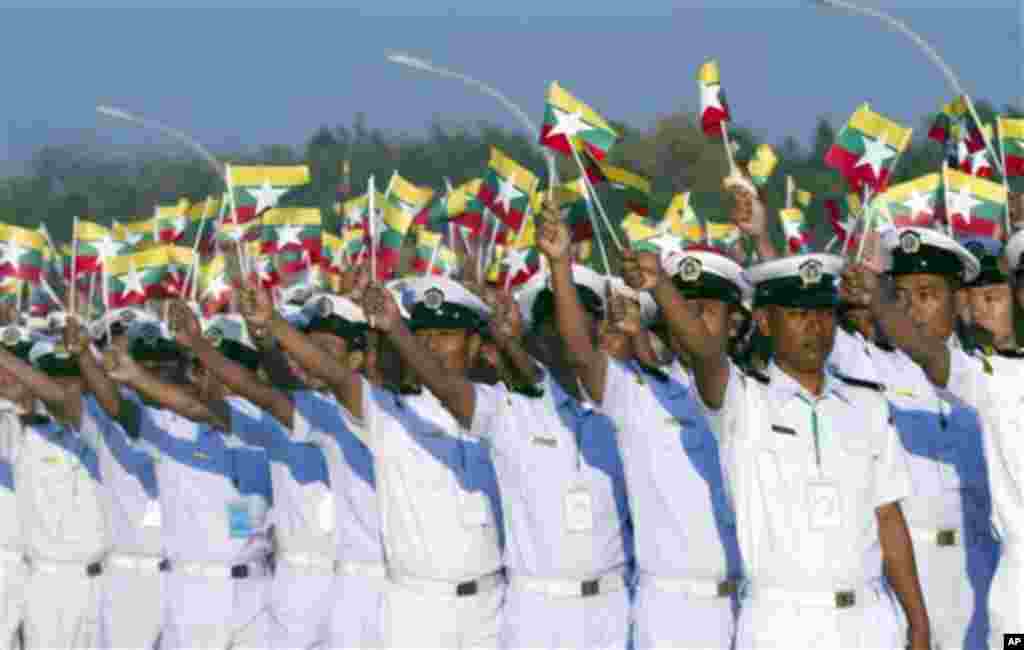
[251, 467]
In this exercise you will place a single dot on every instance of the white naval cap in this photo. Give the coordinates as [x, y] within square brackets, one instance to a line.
[590, 284]
[803, 281]
[925, 250]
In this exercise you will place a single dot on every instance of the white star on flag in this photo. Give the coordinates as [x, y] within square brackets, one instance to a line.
[267, 196]
[709, 97]
[10, 253]
[963, 203]
[217, 287]
[288, 235]
[515, 260]
[919, 203]
[666, 242]
[567, 124]
[508, 192]
[107, 247]
[133, 282]
[979, 161]
[876, 152]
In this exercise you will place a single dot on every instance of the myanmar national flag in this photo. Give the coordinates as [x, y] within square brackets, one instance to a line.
[796, 230]
[137, 234]
[713, 108]
[951, 113]
[913, 203]
[291, 230]
[569, 123]
[680, 220]
[332, 253]
[138, 277]
[428, 246]
[202, 223]
[644, 234]
[974, 206]
[22, 253]
[96, 243]
[572, 203]
[214, 286]
[259, 188]
[263, 266]
[842, 213]
[762, 165]
[392, 226]
[723, 236]
[636, 188]
[1011, 138]
[460, 204]
[172, 221]
[409, 198]
[518, 265]
[866, 148]
[506, 189]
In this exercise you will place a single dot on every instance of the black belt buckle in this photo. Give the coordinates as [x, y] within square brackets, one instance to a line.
[946, 537]
[467, 588]
[93, 570]
[726, 588]
[240, 572]
[165, 565]
[845, 599]
[590, 588]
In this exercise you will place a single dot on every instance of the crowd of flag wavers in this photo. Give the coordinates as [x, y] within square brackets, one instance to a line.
[448, 425]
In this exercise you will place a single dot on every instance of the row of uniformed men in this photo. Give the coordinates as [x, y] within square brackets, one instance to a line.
[411, 545]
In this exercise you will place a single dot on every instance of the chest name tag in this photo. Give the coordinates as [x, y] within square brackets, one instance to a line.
[786, 431]
[546, 442]
[152, 518]
[579, 511]
[824, 505]
[240, 520]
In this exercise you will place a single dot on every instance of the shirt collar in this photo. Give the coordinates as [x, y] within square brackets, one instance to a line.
[786, 388]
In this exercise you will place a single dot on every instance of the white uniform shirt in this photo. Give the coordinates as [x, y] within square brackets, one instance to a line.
[60, 500]
[436, 491]
[10, 443]
[545, 449]
[805, 510]
[214, 496]
[683, 521]
[298, 475]
[321, 420]
[129, 484]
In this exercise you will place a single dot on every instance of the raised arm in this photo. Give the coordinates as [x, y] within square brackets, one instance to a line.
[901, 570]
[589, 362]
[263, 320]
[706, 350]
[66, 405]
[863, 285]
[749, 214]
[454, 391]
[506, 327]
[125, 370]
[237, 378]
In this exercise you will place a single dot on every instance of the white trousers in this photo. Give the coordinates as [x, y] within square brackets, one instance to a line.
[537, 620]
[131, 609]
[300, 607]
[1006, 599]
[356, 612]
[13, 575]
[421, 619]
[876, 624]
[62, 607]
[664, 619]
[215, 613]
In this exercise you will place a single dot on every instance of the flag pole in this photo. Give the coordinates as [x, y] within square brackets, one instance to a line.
[73, 286]
[1007, 226]
[728, 146]
[789, 191]
[433, 257]
[945, 197]
[372, 226]
[597, 201]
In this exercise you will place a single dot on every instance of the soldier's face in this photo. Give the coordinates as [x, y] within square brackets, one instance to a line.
[456, 348]
[716, 314]
[991, 307]
[930, 302]
[801, 338]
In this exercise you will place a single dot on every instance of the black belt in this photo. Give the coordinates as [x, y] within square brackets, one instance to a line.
[95, 569]
[240, 571]
[469, 588]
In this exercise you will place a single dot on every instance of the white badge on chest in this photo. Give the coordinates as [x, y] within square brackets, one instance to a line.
[579, 509]
[823, 504]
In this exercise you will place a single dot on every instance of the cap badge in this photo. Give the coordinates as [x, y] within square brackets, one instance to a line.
[690, 269]
[810, 273]
[11, 336]
[325, 306]
[433, 298]
[910, 242]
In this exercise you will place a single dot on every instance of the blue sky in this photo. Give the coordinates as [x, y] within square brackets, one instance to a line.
[245, 73]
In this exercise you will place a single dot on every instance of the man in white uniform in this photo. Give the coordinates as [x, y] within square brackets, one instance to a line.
[436, 491]
[214, 499]
[813, 467]
[938, 414]
[568, 531]
[687, 552]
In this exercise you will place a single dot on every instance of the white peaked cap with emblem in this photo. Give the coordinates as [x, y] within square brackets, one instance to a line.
[294, 315]
[434, 291]
[297, 294]
[325, 304]
[648, 307]
[925, 250]
[582, 276]
[1014, 249]
[227, 327]
[44, 347]
[701, 271]
[801, 281]
[137, 323]
[12, 335]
